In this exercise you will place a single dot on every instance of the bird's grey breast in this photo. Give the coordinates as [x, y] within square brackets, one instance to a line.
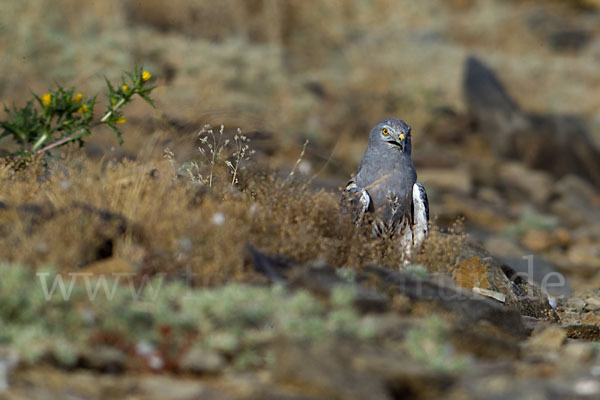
[389, 184]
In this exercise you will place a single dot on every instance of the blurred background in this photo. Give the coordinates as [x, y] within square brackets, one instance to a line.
[509, 144]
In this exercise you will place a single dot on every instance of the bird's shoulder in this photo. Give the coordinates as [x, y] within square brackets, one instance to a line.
[355, 198]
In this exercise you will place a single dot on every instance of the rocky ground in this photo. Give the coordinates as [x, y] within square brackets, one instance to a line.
[261, 289]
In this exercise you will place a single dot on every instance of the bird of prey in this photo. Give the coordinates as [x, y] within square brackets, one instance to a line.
[385, 190]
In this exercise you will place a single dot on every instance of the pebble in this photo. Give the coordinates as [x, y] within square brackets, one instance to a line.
[8, 361]
[546, 338]
[201, 361]
[587, 387]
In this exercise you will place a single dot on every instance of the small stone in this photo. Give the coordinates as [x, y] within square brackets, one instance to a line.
[201, 361]
[575, 201]
[587, 387]
[593, 304]
[538, 241]
[546, 338]
[8, 361]
[591, 318]
[569, 39]
[162, 387]
[218, 218]
[582, 331]
[105, 359]
[503, 246]
[470, 273]
[535, 184]
[330, 368]
[576, 304]
[585, 255]
[490, 195]
[579, 351]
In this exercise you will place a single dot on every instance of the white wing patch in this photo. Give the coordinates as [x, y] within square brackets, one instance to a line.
[420, 214]
[357, 200]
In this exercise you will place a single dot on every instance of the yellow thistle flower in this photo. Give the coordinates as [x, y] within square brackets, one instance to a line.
[120, 121]
[83, 109]
[146, 75]
[46, 99]
[125, 88]
[77, 97]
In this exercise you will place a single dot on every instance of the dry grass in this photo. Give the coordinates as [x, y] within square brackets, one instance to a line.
[441, 250]
[174, 225]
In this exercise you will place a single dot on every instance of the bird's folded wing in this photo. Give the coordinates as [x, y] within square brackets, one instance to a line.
[355, 200]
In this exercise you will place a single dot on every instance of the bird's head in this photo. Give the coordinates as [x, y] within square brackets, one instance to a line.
[392, 133]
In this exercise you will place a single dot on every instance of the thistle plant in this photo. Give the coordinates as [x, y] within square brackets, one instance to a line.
[64, 116]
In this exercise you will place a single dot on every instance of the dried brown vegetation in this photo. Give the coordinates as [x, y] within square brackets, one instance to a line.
[86, 214]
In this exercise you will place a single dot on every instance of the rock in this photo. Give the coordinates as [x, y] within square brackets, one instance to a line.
[582, 331]
[496, 113]
[163, 387]
[575, 303]
[403, 377]
[471, 273]
[530, 323]
[390, 325]
[471, 307]
[534, 185]
[503, 246]
[541, 240]
[326, 369]
[485, 344]
[490, 195]
[106, 359]
[319, 279]
[322, 279]
[492, 217]
[537, 269]
[259, 386]
[569, 39]
[9, 359]
[575, 201]
[447, 126]
[580, 352]
[559, 34]
[202, 361]
[98, 229]
[537, 140]
[593, 304]
[274, 267]
[521, 293]
[591, 318]
[546, 338]
[585, 256]
[587, 387]
[541, 146]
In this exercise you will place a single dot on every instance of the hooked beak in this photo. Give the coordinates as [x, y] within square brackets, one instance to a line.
[400, 144]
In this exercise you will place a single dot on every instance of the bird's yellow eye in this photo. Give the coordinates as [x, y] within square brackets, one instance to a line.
[401, 136]
[385, 132]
